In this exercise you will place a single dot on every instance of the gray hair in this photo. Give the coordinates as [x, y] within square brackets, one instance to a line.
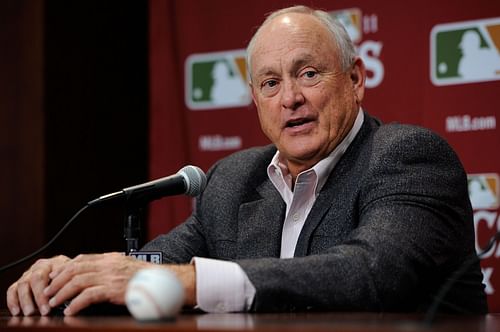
[337, 30]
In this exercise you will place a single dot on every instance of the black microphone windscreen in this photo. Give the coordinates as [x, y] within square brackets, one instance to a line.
[195, 179]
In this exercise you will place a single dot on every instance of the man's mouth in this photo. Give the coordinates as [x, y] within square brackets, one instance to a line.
[297, 122]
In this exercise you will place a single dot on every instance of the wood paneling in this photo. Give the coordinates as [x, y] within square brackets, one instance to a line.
[73, 122]
[21, 131]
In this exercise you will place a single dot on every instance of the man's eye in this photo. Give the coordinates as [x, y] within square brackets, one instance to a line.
[310, 74]
[270, 83]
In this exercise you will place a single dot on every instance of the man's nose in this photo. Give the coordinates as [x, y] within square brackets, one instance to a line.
[292, 96]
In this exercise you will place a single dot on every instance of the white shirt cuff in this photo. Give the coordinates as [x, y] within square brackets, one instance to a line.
[222, 286]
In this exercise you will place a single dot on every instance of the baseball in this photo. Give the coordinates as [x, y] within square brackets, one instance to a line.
[154, 294]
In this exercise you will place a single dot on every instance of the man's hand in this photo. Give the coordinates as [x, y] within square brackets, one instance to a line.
[89, 279]
[26, 295]
[85, 280]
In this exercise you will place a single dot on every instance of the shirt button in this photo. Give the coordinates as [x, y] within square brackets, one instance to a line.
[295, 217]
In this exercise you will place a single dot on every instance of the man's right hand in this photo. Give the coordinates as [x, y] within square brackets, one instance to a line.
[26, 294]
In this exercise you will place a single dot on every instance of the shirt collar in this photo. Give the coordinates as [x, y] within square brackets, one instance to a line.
[279, 174]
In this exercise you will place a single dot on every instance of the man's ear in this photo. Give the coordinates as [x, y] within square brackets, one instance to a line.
[358, 78]
[250, 85]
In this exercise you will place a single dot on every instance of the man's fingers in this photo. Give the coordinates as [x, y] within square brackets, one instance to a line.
[72, 288]
[38, 278]
[25, 298]
[26, 295]
[38, 282]
[85, 280]
[12, 301]
[66, 273]
[57, 265]
[87, 297]
[82, 264]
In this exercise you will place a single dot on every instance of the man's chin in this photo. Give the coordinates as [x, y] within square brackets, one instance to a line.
[307, 157]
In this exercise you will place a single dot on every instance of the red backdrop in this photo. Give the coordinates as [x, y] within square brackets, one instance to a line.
[430, 63]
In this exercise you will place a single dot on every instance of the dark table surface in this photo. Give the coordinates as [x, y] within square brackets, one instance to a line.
[190, 321]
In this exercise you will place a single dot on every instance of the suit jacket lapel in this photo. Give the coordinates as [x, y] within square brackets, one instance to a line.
[260, 224]
[323, 204]
[331, 194]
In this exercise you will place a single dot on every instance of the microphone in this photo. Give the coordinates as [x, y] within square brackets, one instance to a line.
[189, 180]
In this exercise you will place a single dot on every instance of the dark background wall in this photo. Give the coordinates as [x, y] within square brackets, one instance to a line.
[73, 122]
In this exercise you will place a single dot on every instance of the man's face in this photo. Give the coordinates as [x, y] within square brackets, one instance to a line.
[306, 102]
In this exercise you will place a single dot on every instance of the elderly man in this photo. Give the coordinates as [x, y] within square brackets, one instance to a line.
[340, 213]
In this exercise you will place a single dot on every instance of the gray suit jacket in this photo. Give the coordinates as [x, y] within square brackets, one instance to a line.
[391, 224]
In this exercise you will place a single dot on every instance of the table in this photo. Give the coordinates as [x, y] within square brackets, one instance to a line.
[289, 322]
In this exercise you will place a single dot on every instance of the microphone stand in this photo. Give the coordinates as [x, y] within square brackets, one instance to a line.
[132, 229]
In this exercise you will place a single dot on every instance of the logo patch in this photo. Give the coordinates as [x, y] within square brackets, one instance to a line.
[351, 20]
[358, 26]
[465, 52]
[484, 190]
[216, 80]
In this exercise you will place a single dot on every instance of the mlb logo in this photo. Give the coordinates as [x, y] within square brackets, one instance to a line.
[217, 80]
[465, 52]
[155, 257]
[484, 190]
[351, 20]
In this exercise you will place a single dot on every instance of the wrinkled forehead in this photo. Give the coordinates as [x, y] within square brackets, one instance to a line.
[293, 23]
[286, 33]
